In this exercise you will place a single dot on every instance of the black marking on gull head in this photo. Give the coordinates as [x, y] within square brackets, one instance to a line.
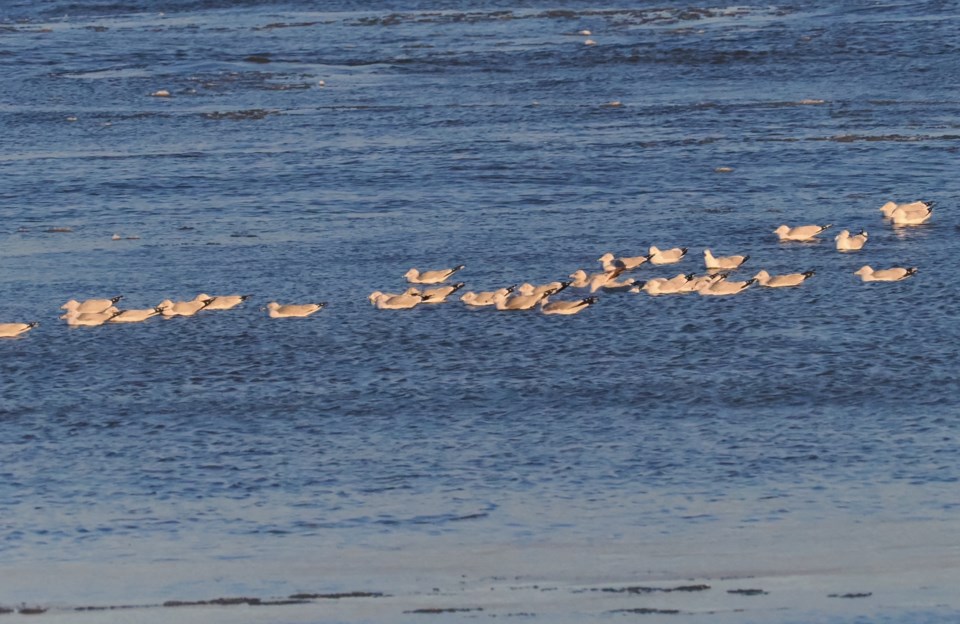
[117, 298]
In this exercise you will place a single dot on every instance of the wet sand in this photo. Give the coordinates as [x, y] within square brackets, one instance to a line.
[896, 572]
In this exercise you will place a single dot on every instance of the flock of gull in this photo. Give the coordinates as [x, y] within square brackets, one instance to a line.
[716, 281]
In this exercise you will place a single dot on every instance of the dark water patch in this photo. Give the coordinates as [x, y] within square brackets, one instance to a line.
[647, 611]
[242, 115]
[439, 610]
[748, 592]
[275, 25]
[338, 596]
[643, 589]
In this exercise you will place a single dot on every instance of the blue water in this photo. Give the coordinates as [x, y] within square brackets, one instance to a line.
[483, 137]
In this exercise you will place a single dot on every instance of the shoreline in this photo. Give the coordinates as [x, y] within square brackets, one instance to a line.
[903, 571]
[717, 600]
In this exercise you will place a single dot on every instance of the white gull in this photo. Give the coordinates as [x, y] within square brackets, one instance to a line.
[894, 274]
[438, 276]
[292, 310]
[848, 242]
[800, 233]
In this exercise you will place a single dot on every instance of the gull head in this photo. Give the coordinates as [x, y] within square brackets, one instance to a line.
[888, 208]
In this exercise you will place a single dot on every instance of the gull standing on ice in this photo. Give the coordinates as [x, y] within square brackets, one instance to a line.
[430, 277]
[895, 274]
[294, 310]
[10, 330]
[780, 281]
[846, 242]
[723, 262]
[800, 233]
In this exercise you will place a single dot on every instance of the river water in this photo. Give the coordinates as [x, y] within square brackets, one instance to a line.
[315, 151]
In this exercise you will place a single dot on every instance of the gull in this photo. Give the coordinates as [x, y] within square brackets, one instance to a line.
[182, 308]
[517, 302]
[484, 298]
[696, 282]
[90, 319]
[723, 262]
[90, 305]
[666, 256]
[222, 302]
[389, 301]
[542, 290]
[438, 294]
[133, 316]
[800, 232]
[913, 213]
[722, 286]
[566, 307]
[430, 277]
[275, 310]
[582, 280]
[612, 263]
[612, 285]
[663, 286]
[780, 281]
[846, 242]
[895, 274]
[9, 330]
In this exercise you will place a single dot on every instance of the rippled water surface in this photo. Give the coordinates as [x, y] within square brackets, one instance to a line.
[316, 151]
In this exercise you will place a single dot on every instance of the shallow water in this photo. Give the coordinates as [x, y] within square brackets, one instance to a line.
[483, 137]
